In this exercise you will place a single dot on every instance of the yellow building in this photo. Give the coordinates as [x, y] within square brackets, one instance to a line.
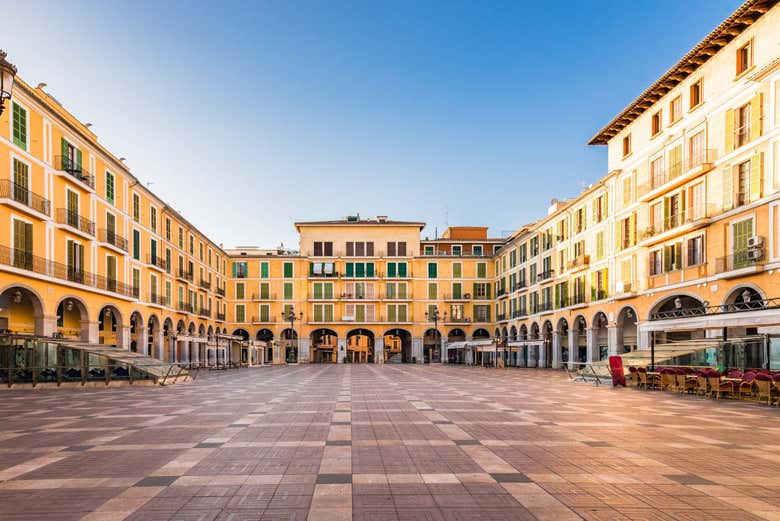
[677, 242]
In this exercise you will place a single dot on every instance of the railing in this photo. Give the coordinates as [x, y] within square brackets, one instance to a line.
[579, 262]
[136, 292]
[160, 300]
[481, 318]
[185, 306]
[205, 284]
[543, 307]
[204, 312]
[220, 291]
[111, 237]
[544, 275]
[737, 260]
[519, 313]
[27, 261]
[264, 320]
[599, 294]
[220, 316]
[74, 220]
[736, 307]
[20, 194]
[184, 275]
[673, 221]
[156, 260]
[500, 292]
[457, 296]
[500, 317]
[697, 158]
[323, 275]
[458, 320]
[261, 297]
[65, 164]
[576, 300]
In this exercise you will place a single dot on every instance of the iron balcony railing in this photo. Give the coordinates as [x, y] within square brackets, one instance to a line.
[27, 261]
[264, 320]
[544, 275]
[519, 313]
[599, 294]
[455, 296]
[737, 307]
[500, 292]
[205, 284]
[220, 291]
[543, 307]
[501, 316]
[575, 300]
[220, 316]
[204, 312]
[136, 292]
[74, 220]
[458, 320]
[738, 260]
[113, 238]
[66, 164]
[184, 274]
[160, 300]
[263, 296]
[185, 306]
[156, 260]
[20, 194]
[579, 262]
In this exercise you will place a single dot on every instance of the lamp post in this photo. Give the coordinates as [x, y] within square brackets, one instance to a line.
[7, 75]
[434, 316]
[291, 317]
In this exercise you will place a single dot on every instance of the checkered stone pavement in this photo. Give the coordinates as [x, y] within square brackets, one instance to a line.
[384, 443]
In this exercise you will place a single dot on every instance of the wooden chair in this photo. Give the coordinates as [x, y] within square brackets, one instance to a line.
[701, 383]
[745, 389]
[776, 384]
[763, 386]
[718, 387]
[668, 382]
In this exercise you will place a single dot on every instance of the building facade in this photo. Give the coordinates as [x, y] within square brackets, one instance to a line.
[678, 241]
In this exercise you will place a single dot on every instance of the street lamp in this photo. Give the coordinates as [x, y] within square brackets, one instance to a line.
[500, 341]
[434, 316]
[291, 317]
[7, 75]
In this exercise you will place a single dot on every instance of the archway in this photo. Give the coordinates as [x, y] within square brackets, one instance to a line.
[360, 346]
[21, 311]
[289, 339]
[432, 346]
[137, 333]
[744, 298]
[398, 346]
[677, 306]
[324, 343]
[456, 335]
[109, 326]
[563, 336]
[72, 319]
[169, 351]
[480, 334]
[154, 345]
[626, 330]
[600, 325]
[513, 333]
[545, 356]
[523, 332]
[267, 336]
[580, 339]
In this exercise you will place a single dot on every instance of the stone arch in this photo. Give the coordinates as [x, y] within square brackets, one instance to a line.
[289, 339]
[210, 333]
[432, 346]
[456, 335]
[743, 297]
[513, 333]
[110, 327]
[22, 310]
[240, 332]
[168, 344]
[181, 327]
[324, 345]
[201, 330]
[137, 332]
[534, 332]
[626, 324]
[496, 333]
[154, 338]
[562, 329]
[480, 334]
[523, 332]
[73, 318]
[360, 345]
[579, 327]
[398, 346]
[264, 335]
[680, 303]
[600, 325]
[504, 333]
[191, 329]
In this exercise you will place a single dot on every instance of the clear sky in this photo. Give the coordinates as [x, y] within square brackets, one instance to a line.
[467, 113]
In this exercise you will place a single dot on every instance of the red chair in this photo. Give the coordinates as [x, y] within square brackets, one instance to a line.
[745, 389]
[763, 384]
[718, 387]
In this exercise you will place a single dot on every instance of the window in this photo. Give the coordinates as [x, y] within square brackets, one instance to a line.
[428, 250]
[288, 270]
[239, 270]
[628, 190]
[110, 187]
[323, 312]
[695, 251]
[481, 313]
[675, 110]
[323, 290]
[432, 270]
[19, 126]
[396, 269]
[457, 290]
[167, 293]
[743, 183]
[626, 145]
[396, 313]
[265, 291]
[181, 239]
[396, 249]
[75, 261]
[136, 245]
[695, 94]
[152, 288]
[655, 263]
[674, 162]
[359, 269]
[288, 291]
[481, 290]
[265, 313]
[21, 192]
[136, 208]
[740, 233]
[263, 270]
[192, 245]
[433, 291]
[657, 171]
[697, 204]
[696, 152]
[655, 124]
[240, 291]
[744, 57]
[168, 260]
[673, 257]
[476, 250]
[323, 249]
[600, 245]
[240, 313]
[136, 282]
[742, 132]
[457, 270]
[153, 218]
[481, 270]
[523, 252]
[167, 229]
[360, 249]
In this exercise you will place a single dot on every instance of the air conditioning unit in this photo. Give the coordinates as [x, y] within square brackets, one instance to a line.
[756, 241]
[756, 253]
[467, 296]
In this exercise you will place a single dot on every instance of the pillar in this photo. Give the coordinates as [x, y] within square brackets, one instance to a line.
[614, 342]
[45, 325]
[123, 337]
[573, 349]
[278, 356]
[93, 332]
[143, 341]
[417, 349]
[341, 352]
[304, 350]
[591, 339]
[643, 338]
[557, 350]
[542, 355]
[159, 344]
[379, 350]
[468, 355]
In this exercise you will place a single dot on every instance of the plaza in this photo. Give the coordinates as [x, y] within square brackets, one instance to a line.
[389, 442]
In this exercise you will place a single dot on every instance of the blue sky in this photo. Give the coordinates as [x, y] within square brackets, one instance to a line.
[467, 113]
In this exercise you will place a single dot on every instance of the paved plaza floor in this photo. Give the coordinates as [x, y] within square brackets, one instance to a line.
[384, 443]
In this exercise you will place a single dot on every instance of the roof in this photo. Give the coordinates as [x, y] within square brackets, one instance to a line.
[361, 222]
[731, 27]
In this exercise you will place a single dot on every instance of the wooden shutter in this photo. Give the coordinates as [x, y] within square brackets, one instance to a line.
[369, 269]
[401, 246]
[317, 311]
[64, 152]
[111, 268]
[263, 270]
[328, 312]
[726, 189]
[391, 249]
[729, 130]
[328, 247]
[360, 269]
[317, 248]
[632, 229]
[350, 249]
[402, 269]
[756, 175]
[264, 290]
[350, 269]
[327, 290]
[391, 269]
[756, 116]
[317, 290]
[78, 160]
[369, 249]
[391, 313]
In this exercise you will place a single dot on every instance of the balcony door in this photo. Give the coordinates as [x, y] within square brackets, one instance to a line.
[73, 208]
[23, 245]
[21, 182]
[75, 262]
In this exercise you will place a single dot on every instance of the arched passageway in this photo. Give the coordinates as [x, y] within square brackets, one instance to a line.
[324, 345]
[360, 346]
[398, 346]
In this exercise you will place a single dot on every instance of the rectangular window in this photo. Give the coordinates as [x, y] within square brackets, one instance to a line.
[675, 110]
[136, 245]
[110, 187]
[265, 313]
[626, 145]
[21, 188]
[481, 270]
[428, 250]
[136, 208]
[263, 270]
[744, 57]
[695, 251]
[288, 291]
[656, 267]
[19, 126]
[476, 250]
[136, 283]
[674, 162]
[323, 249]
[457, 250]
[743, 183]
[655, 124]
[457, 270]
[432, 270]
[288, 270]
[433, 291]
[457, 290]
[240, 270]
[673, 257]
[695, 94]
[240, 291]
[167, 229]
[240, 313]
[153, 218]
[742, 123]
[740, 233]
[181, 239]
[168, 267]
[265, 291]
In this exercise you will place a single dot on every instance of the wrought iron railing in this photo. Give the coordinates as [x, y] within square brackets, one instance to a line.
[738, 260]
[74, 220]
[220, 316]
[205, 284]
[204, 312]
[220, 291]
[581, 261]
[156, 260]
[20, 194]
[184, 274]
[736, 307]
[66, 164]
[113, 238]
[185, 306]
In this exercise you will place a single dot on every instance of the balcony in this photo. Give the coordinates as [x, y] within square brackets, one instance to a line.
[544, 307]
[205, 284]
[27, 261]
[519, 313]
[75, 221]
[23, 196]
[599, 294]
[221, 291]
[579, 262]
[263, 296]
[186, 307]
[65, 164]
[220, 316]
[158, 300]
[184, 275]
[112, 238]
[575, 300]
[501, 316]
[455, 297]
[457, 320]
[156, 261]
[263, 320]
[673, 175]
[740, 262]
[674, 221]
[545, 275]
[204, 312]
[500, 292]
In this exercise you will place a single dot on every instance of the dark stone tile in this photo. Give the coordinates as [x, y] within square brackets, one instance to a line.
[341, 423]
[597, 443]
[339, 443]
[78, 448]
[688, 479]
[333, 478]
[467, 442]
[208, 445]
[156, 481]
[511, 477]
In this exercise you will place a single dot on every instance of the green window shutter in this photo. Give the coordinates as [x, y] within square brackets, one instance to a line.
[328, 308]
[360, 313]
[350, 269]
[481, 270]
[288, 270]
[391, 271]
[318, 313]
[264, 314]
[360, 269]
[234, 268]
[317, 290]
[264, 290]
[456, 290]
[457, 270]
[401, 290]
[487, 290]
[402, 269]
[311, 269]
[136, 245]
[328, 287]
[402, 313]
[78, 160]
[369, 269]
[240, 290]
[391, 315]
[432, 291]
[153, 250]
[19, 126]
[288, 290]
[432, 270]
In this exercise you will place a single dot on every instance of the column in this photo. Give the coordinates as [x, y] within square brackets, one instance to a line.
[591, 339]
[445, 355]
[93, 332]
[614, 342]
[533, 355]
[195, 354]
[304, 350]
[417, 349]
[573, 349]
[341, 352]
[171, 349]
[468, 355]
[123, 337]
[143, 341]
[159, 344]
[557, 350]
[278, 356]
[45, 325]
[379, 350]
[643, 338]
